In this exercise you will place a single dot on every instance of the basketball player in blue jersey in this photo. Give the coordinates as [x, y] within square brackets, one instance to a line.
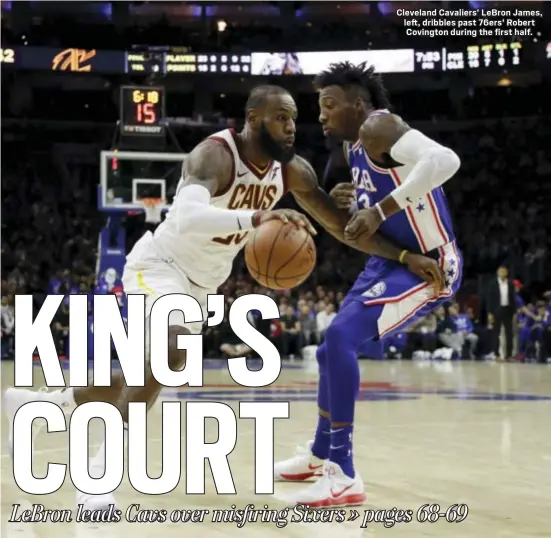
[397, 174]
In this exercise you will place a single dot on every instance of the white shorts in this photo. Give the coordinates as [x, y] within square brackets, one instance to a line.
[147, 273]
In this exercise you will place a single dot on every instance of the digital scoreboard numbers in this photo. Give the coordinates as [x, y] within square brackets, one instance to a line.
[224, 63]
[428, 60]
[142, 110]
[473, 57]
[494, 55]
[207, 63]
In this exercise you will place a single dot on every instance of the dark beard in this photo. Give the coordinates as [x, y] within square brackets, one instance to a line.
[274, 150]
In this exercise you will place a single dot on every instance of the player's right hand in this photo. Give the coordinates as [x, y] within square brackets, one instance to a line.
[286, 216]
[344, 195]
[427, 269]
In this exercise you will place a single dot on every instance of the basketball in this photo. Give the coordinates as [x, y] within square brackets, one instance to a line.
[280, 256]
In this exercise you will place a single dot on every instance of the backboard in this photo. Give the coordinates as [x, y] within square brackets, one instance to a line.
[126, 177]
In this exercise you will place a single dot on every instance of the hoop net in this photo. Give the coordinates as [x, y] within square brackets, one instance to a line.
[150, 203]
[153, 209]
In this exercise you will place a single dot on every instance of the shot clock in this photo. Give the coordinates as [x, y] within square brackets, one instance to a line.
[142, 110]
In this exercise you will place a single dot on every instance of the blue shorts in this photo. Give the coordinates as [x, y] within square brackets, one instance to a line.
[404, 297]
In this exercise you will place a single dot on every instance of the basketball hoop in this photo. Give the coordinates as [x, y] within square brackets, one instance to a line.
[153, 209]
[150, 203]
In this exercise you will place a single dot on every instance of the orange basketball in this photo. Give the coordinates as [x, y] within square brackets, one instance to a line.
[280, 256]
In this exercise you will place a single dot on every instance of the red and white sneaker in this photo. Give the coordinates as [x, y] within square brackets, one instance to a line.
[334, 488]
[303, 466]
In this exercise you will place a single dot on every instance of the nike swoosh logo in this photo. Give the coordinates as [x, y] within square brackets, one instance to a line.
[313, 467]
[344, 490]
[241, 174]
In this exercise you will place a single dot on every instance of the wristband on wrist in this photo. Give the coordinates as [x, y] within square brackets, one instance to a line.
[402, 256]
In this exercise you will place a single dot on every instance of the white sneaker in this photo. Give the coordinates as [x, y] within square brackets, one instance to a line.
[334, 488]
[303, 466]
[14, 399]
[96, 468]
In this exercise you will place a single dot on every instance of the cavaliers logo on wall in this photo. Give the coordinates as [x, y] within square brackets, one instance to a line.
[74, 60]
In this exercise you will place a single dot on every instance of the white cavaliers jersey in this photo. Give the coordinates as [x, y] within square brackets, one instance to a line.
[207, 261]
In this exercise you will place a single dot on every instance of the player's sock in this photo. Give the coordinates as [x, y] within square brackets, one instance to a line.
[97, 463]
[354, 324]
[322, 439]
[341, 448]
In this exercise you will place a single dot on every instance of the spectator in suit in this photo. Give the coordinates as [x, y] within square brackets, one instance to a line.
[500, 301]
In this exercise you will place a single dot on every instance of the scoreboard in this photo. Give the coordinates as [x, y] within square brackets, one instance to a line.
[471, 57]
[142, 110]
[172, 61]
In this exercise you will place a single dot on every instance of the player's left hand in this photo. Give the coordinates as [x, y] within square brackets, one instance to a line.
[427, 269]
[363, 224]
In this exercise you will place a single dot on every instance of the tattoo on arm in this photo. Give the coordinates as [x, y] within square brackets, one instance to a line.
[207, 165]
[320, 206]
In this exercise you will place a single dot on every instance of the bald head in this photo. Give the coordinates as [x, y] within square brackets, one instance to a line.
[259, 96]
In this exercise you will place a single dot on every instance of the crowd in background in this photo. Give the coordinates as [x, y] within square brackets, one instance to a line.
[50, 226]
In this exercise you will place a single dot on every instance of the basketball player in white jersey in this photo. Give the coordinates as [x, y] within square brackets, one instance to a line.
[230, 184]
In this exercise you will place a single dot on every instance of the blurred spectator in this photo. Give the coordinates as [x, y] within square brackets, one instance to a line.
[446, 331]
[7, 320]
[422, 339]
[540, 333]
[500, 301]
[60, 329]
[308, 325]
[324, 317]
[290, 333]
[488, 338]
[465, 329]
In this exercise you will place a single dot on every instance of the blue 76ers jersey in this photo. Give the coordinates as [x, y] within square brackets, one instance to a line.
[422, 226]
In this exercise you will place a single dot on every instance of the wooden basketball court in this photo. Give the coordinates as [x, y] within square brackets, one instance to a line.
[447, 433]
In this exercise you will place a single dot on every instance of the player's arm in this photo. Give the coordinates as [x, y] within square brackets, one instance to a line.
[207, 171]
[433, 164]
[344, 194]
[303, 184]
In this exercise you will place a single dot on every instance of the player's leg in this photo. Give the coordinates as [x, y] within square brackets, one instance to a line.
[308, 460]
[158, 280]
[341, 485]
[380, 304]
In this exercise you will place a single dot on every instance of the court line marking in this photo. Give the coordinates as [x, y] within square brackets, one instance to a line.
[5, 454]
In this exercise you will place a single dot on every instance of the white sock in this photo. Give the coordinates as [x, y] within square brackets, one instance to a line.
[97, 462]
[64, 398]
